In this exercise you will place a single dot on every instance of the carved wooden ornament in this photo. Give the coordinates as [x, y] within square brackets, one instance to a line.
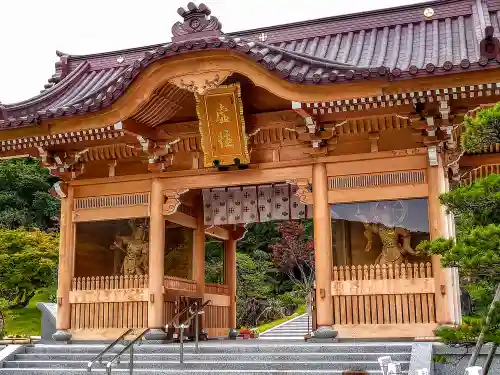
[303, 192]
[172, 200]
[222, 126]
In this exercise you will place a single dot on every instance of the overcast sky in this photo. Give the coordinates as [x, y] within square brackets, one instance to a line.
[32, 30]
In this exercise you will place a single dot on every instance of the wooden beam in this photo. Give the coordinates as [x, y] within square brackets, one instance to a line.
[369, 331]
[384, 287]
[217, 299]
[390, 163]
[135, 128]
[110, 213]
[114, 295]
[217, 232]
[182, 219]
[237, 177]
[378, 193]
[474, 161]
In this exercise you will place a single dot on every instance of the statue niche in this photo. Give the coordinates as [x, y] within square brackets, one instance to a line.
[395, 240]
[393, 251]
[136, 249]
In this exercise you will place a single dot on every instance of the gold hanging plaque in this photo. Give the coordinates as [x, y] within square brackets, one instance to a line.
[222, 126]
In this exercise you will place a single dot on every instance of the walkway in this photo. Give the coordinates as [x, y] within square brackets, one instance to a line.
[294, 329]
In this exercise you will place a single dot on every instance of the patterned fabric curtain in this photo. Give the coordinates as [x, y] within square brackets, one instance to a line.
[251, 204]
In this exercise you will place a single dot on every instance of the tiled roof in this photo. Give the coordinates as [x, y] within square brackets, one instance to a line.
[396, 43]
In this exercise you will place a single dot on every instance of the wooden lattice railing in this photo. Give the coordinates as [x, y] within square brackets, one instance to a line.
[109, 282]
[374, 294]
[217, 289]
[381, 272]
[177, 283]
[480, 172]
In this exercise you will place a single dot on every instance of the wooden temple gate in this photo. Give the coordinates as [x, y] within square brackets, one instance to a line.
[345, 116]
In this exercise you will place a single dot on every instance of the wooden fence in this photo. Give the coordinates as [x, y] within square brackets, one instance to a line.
[216, 320]
[217, 289]
[101, 307]
[480, 172]
[384, 295]
[104, 315]
[177, 283]
[109, 282]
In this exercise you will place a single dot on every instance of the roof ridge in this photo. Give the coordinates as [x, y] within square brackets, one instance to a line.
[47, 93]
[118, 51]
[243, 33]
[342, 17]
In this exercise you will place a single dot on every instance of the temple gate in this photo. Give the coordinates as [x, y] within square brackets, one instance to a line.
[355, 120]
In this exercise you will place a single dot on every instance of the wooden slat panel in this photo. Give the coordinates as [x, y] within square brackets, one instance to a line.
[105, 315]
[114, 295]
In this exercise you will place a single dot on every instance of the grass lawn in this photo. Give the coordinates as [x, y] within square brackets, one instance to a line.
[27, 321]
[264, 327]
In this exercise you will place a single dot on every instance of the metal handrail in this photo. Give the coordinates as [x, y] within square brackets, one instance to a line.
[193, 314]
[106, 349]
[130, 345]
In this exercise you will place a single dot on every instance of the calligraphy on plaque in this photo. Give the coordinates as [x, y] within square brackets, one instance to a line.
[222, 126]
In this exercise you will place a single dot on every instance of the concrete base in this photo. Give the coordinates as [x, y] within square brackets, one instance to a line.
[324, 334]
[156, 334]
[61, 336]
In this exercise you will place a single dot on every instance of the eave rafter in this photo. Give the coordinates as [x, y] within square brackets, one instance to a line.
[152, 141]
[60, 139]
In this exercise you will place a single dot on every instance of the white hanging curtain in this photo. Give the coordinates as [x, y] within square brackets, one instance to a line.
[234, 205]
[219, 206]
[281, 202]
[251, 204]
[265, 202]
[250, 214]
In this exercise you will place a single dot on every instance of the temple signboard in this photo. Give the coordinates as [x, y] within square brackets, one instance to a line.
[222, 126]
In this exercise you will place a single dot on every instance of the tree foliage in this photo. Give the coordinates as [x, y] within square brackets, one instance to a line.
[475, 251]
[294, 255]
[264, 292]
[255, 286]
[24, 195]
[483, 130]
[27, 263]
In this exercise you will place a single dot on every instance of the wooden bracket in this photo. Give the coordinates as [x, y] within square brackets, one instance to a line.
[172, 200]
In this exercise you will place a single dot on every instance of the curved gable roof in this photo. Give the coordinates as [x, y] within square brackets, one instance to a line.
[397, 43]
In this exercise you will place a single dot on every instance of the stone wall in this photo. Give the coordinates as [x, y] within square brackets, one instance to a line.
[457, 359]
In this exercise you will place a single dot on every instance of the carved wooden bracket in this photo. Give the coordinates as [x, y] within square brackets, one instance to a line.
[432, 152]
[304, 190]
[201, 82]
[172, 200]
[159, 153]
[374, 137]
[451, 162]
[65, 165]
[60, 188]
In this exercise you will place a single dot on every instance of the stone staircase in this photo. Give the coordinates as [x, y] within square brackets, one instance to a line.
[294, 329]
[249, 357]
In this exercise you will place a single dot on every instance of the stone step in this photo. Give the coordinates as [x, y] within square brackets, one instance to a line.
[20, 371]
[239, 346]
[212, 365]
[404, 356]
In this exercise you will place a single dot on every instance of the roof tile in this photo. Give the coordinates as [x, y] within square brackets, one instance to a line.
[387, 44]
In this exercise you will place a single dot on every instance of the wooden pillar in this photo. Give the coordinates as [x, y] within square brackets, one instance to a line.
[156, 262]
[447, 288]
[66, 267]
[323, 254]
[230, 277]
[199, 253]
